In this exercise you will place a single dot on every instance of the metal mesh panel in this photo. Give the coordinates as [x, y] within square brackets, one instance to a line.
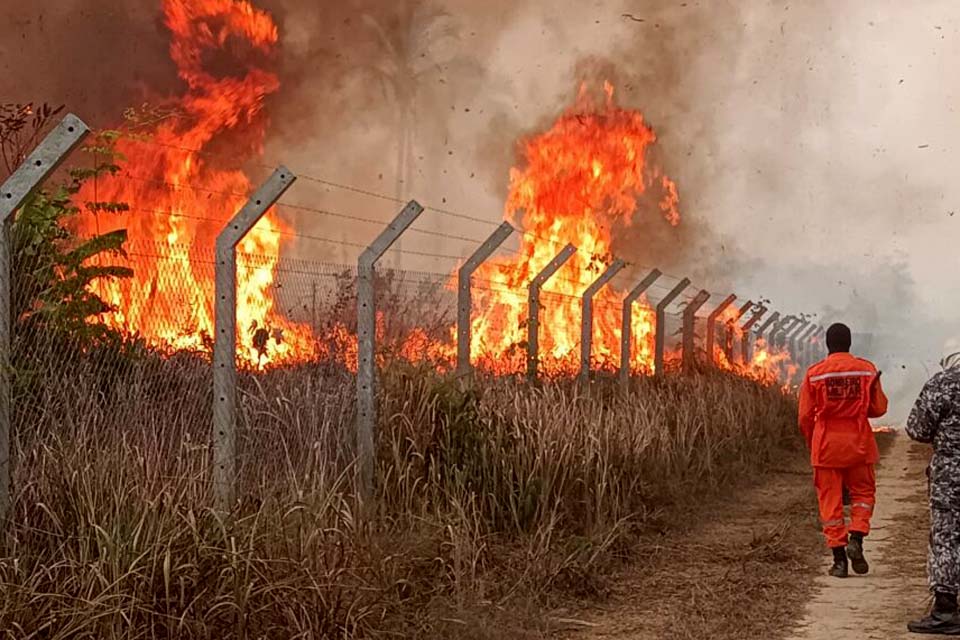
[146, 367]
[416, 318]
[607, 321]
[498, 315]
[307, 397]
[96, 385]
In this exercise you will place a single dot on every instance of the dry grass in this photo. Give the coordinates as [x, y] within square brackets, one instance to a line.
[494, 497]
[737, 564]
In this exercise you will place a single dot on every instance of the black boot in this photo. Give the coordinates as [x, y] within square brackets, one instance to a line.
[855, 553]
[839, 568]
[943, 619]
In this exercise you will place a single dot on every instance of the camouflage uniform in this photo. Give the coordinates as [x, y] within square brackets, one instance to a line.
[935, 419]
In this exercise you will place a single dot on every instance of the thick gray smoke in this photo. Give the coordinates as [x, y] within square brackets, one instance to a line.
[812, 142]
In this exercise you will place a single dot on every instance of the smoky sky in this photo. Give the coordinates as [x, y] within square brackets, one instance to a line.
[813, 143]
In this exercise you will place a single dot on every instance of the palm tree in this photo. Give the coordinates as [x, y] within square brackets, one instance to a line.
[418, 41]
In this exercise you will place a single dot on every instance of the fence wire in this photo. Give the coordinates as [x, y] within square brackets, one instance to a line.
[131, 360]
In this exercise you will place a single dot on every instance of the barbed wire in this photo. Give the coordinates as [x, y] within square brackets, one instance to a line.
[142, 139]
[290, 234]
[369, 193]
[283, 269]
[523, 232]
[157, 256]
[171, 214]
[345, 187]
[453, 214]
[181, 187]
[380, 223]
[439, 280]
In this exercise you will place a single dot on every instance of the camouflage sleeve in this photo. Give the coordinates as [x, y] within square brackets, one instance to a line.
[925, 416]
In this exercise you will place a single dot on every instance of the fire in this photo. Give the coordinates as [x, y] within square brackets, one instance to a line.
[580, 183]
[766, 365]
[179, 200]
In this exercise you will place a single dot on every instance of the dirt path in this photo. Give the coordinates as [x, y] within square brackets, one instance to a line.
[754, 568]
[878, 605]
[743, 569]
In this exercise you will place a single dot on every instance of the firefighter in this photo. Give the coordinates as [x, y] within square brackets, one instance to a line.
[837, 397]
[935, 420]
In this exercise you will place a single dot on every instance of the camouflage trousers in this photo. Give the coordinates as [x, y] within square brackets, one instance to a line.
[943, 559]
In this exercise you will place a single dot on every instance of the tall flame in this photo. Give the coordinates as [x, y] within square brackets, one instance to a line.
[579, 183]
[180, 200]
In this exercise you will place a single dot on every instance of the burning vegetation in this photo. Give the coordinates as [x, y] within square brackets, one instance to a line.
[518, 498]
[578, 183]
[178, 200]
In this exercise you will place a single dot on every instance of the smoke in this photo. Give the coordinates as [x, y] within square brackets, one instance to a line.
[811, 142]
[489, 76]
[97, 58]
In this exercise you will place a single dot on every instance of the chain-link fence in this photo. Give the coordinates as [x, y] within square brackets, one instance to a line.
[134, 354]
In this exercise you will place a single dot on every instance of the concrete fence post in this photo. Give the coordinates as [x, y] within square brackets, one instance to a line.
[789, 345]
[712, 327]
[465, 294]
[586, 322]
[746, 335]
[661, 341]
[794, 336]
[730, 346]
[689, 353]
[775, 339]
[626, 326]
[367, 341]
[770, 321]
[43, 161]
[778, 330]
[225, 334]
[789, 330]
[533, 320]
[818, 340]
[803, 345]
[810, 347]
[762, 329]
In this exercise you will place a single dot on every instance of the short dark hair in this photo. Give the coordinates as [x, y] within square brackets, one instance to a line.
[838, 338]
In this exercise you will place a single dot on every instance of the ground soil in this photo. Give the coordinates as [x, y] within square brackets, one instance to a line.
[753, 567]
[880, 604]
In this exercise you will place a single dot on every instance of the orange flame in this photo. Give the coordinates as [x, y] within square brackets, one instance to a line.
[580, 182]
[767, 365]
[180, 201]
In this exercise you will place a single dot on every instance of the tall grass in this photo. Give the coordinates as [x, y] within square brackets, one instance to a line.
[489, 493]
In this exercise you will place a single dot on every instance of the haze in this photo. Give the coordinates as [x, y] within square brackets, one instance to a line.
[814, 143]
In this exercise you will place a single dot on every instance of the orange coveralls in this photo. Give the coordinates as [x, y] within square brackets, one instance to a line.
[838, 396]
